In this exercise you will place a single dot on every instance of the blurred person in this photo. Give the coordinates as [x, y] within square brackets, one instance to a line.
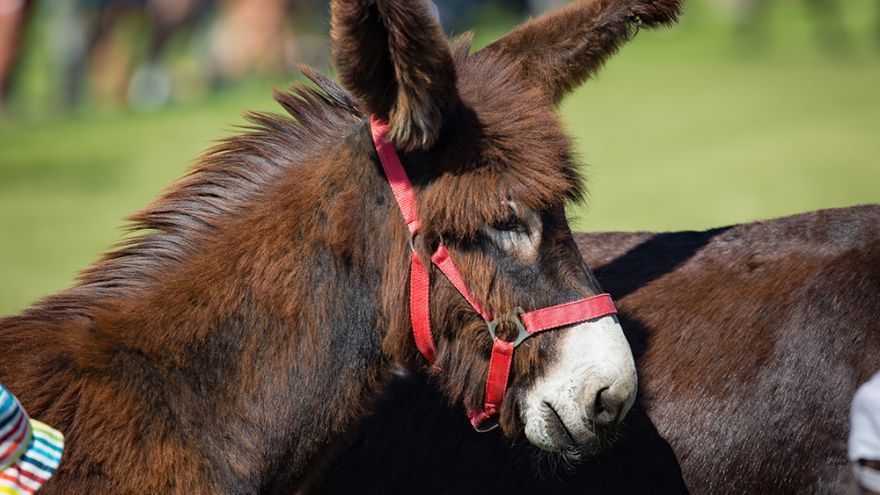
[85, 42]
[250, 35]
[864, 436]
[30, 451]
[151, 82]
[456, 15]
[537, 7]
[13, 18]
[263, 37]
[69, 40]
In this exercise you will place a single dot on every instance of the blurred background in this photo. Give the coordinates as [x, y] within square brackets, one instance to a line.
[747, 109]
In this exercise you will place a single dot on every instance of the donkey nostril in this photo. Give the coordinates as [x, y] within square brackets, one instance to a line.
[607, 407]
[599, 406]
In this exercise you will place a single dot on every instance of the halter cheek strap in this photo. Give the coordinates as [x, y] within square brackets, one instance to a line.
[528, 324]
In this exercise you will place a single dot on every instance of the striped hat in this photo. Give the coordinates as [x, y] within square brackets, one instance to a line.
[29, 450]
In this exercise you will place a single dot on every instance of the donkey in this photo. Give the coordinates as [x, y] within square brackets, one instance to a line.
[750, 342]
[262, 300]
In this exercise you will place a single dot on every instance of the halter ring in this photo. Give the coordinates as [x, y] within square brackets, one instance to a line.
[513, 316]
[487, 424]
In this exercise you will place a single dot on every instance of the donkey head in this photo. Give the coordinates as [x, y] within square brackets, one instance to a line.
[492, 170]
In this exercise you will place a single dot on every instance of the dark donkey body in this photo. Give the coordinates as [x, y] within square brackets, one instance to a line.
[246, 325]
[750, 342]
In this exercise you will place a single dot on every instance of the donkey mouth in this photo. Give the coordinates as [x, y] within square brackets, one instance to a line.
[582, 395]
[562, 427]
[558, 430]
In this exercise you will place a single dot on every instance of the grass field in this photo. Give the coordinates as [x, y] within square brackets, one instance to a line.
[685, 129]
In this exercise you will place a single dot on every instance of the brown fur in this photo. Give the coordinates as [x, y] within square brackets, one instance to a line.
[750, 342]
[394, 58]
[559, 51]
[259, 303]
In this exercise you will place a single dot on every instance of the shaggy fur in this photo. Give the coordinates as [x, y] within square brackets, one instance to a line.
[394, 58]
[258, 304]
[750, 342]
[559, 51]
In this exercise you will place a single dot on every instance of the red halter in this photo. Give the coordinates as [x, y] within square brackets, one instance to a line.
[528, 324]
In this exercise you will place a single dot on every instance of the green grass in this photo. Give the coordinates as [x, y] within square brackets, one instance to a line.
[684, 129]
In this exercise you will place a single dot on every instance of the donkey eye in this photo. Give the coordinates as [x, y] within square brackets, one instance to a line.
[512, 224]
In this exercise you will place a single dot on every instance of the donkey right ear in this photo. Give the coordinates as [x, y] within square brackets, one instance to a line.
[392, 55]
[560, 50]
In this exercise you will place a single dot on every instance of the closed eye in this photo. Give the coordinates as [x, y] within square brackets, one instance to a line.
[519, 233]
[513, 225]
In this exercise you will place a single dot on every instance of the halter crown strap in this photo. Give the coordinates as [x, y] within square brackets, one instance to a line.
[420, 286]
[396, 175]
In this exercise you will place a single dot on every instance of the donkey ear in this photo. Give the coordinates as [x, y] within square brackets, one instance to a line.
[562, 49]
[392, 55]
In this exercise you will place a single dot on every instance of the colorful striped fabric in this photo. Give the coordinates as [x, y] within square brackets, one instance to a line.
[29, 450]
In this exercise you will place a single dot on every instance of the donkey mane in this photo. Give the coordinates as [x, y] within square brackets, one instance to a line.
[223, 181]
[233, 174]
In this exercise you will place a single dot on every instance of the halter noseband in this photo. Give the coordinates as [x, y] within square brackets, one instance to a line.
[528, 323]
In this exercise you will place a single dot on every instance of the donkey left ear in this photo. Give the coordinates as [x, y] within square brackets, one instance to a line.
[560, 50]
[392, 55]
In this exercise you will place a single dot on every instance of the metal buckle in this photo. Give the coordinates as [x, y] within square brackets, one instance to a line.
[513, 316]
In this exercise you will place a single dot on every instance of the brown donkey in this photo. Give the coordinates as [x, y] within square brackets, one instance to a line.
[263, 299]
[750, 342]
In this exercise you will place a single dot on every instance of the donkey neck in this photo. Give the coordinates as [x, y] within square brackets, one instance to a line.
[267, 341]
[278, 323]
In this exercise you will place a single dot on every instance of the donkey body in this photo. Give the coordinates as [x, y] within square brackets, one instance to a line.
[247, 323]
[750, 342]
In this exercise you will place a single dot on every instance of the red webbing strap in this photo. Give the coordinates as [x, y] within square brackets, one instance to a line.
[397, 178]
[419, 279]
[534, 321]
[496, 383]
[420, 308]
[420, 287]
[568, 313]
[444, 263]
